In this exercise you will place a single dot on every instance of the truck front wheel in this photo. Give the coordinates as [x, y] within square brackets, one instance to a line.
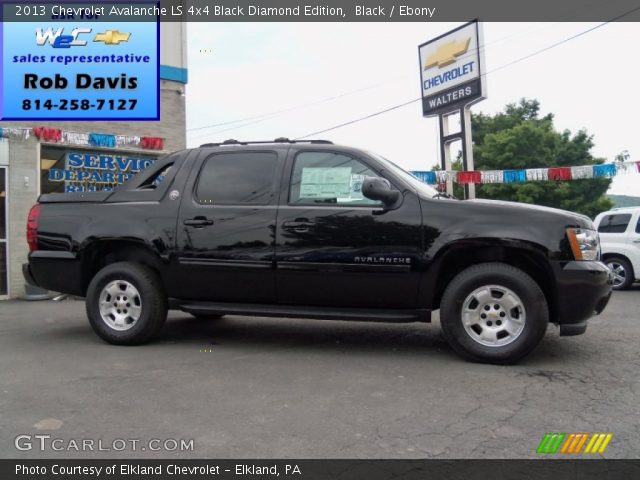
[493, 313]
[125, 303]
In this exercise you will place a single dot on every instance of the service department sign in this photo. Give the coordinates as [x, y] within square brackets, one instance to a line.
[96, 171]
[451, 70]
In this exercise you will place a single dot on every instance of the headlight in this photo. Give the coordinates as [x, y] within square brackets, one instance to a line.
[585, 244]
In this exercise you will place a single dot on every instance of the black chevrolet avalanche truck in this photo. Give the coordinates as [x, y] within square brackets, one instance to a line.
[315, 230]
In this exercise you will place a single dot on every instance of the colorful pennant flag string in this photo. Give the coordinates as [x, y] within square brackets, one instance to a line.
[15, 133]
[604, 170]
[469, 177]
[492, 176]
[48, 134]
[75, 138]
[559, 173]
[513, 176]
[152, 143]
[104, 140]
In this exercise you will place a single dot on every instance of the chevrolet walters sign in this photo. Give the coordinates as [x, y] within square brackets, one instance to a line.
[451, 70]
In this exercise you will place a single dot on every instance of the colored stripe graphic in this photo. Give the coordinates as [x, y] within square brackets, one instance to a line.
[573, 443]
[598, 443]
[550, 442]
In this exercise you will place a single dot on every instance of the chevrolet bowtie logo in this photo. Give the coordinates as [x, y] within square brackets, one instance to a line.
[447, 53]
[112, 37]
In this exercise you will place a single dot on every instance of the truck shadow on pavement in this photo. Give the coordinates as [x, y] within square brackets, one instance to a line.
[325, 336]
[247, 335]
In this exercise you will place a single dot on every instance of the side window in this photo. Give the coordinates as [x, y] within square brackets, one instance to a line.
[237, 178]
[614, 223]
[638, 226]
[325, 177]
[152, 182]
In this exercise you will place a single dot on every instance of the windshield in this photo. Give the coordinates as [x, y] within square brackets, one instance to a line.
[421, 187]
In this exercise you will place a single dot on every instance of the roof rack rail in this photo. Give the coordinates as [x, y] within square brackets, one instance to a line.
[232, 141]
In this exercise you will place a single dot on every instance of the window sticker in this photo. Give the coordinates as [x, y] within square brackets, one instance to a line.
[356, 187]
[326, 182]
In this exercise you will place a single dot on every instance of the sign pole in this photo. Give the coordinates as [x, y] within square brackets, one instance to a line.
[467, 148]
[445, 151]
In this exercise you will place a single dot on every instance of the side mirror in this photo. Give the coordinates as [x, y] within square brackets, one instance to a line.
[376, 188]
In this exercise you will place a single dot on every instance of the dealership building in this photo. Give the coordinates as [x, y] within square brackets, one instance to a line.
[38, 157]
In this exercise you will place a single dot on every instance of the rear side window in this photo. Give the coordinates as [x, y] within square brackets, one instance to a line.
[325, 177]
[638, 226]
[614, 223]
[237, 178]
[156, 179]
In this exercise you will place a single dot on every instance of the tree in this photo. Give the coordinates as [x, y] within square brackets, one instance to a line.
[519, 138]
[623, 156]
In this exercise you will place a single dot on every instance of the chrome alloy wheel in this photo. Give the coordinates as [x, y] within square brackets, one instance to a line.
[493, 315]
[120, 305]
[619, 273]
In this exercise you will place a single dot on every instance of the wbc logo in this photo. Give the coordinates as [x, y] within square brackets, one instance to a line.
[57, 39]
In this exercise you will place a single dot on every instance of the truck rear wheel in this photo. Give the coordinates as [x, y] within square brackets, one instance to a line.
[125, 303]
[493, 313]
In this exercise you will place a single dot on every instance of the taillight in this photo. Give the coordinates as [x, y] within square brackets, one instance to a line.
[32, 227]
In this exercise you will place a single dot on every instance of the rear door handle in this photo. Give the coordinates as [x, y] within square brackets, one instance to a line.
[198, 222]
[298, 226]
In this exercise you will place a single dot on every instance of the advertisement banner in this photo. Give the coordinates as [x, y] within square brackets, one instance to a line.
[78, 67]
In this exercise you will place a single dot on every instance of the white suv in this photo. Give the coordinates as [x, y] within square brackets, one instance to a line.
[620, 241]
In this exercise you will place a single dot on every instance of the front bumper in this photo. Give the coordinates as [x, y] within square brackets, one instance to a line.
[583, 289]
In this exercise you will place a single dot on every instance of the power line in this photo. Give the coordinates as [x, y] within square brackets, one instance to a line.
[526, 57]
[264, 116]
[395, 107]
[251, 120]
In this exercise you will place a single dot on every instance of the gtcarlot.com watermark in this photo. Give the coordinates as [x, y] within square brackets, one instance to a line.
[48, 443]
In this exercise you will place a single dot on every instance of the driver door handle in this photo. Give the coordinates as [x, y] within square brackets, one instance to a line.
[198, 222]
[298, 226]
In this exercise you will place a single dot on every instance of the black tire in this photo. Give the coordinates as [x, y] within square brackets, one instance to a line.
[612, 263]
[151, 298]
[206, 317]
[483, 276]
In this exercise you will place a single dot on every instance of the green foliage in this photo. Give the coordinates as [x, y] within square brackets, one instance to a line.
[519, 138]
[623, 156]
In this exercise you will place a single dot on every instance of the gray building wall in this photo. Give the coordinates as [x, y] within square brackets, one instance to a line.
[24, 165]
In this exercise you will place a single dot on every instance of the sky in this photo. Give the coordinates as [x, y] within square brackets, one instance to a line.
[260, 81]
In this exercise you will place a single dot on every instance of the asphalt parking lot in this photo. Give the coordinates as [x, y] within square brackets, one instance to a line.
[280, 388]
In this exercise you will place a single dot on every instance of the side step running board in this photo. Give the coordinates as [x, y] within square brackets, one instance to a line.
[293, 311]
